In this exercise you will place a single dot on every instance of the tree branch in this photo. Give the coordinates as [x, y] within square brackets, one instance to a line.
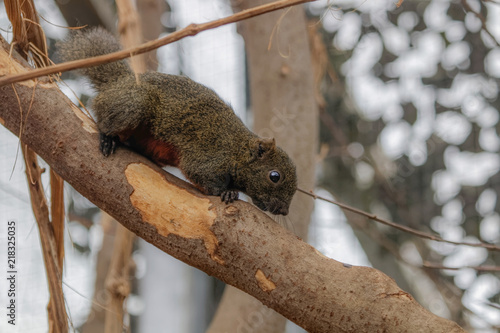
[236, 243]
[57, 311]
[191, 30]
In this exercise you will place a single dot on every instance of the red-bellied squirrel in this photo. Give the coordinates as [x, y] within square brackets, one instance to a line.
[176, 121]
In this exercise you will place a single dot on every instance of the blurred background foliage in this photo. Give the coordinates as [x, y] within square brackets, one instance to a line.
[409, 118]
[409, 114]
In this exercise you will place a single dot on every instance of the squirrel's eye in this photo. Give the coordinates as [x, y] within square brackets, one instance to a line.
[274, 176]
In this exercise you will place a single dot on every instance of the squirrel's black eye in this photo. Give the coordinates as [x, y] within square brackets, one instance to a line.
[274, 176]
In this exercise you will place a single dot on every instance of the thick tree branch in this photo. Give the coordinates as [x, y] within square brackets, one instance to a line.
[236, 243]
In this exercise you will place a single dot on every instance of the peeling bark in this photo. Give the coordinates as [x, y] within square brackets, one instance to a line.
[231, 242]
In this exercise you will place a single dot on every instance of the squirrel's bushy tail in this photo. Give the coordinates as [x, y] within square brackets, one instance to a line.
[91, 43]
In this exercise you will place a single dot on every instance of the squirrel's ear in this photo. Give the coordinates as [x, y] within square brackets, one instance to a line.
[264, 146]
[260, 148]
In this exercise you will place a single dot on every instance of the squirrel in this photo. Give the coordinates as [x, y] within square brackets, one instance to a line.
[175, 121]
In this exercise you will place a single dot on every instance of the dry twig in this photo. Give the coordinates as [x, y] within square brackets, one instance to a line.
[57, 311]
[480, 16]
[191, 30]
[395, 225]
[30, 40]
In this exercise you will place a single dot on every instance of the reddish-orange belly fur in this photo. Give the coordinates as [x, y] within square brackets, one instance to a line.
[162, 153]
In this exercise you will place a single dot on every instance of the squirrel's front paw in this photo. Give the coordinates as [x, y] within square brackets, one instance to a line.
[107, 144]
[229, 196]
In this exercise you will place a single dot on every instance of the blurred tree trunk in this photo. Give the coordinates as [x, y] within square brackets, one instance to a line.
[108, 276]
[92, 13]
[282, 94]
[284, 107]
[95, 320]
[150, 12]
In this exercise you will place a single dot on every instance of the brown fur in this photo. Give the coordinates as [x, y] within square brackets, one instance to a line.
[176, 121]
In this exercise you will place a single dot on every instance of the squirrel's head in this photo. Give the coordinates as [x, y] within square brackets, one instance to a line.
[271, 179]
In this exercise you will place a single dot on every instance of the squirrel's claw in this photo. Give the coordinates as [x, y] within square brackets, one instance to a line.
[107, 144]
[229, 196]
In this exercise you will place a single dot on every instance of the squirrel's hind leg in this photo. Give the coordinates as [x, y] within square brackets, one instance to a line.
[119, 111]
[119, 108]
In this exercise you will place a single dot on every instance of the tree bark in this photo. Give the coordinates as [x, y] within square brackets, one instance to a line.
[236, 243]
[92, 13]
[284, 107]
[28, 37]
[117, 281]
[97, 317]
[240, 312]
[150, 12]
[58, 320]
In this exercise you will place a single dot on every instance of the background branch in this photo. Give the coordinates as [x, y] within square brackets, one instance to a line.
[397, 226]
[190, 30]
[29, 39]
